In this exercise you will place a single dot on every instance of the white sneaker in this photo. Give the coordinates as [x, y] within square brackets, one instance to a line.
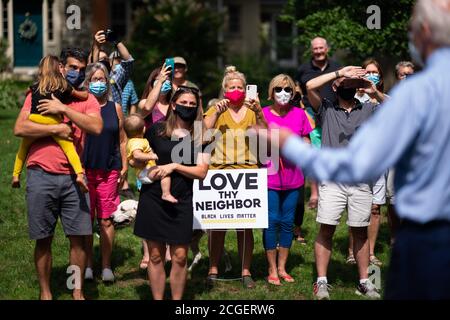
[89, 274]
[368, 290]
[107, 275]
[321, 290]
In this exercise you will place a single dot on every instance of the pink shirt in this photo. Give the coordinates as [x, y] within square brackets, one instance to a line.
[288, 175]
[46, 153]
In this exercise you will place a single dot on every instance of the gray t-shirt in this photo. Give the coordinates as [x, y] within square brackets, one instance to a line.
[338, 125]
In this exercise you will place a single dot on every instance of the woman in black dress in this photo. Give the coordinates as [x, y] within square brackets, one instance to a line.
[161, 222]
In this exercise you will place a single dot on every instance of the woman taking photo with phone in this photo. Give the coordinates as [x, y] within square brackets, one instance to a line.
[233, 115]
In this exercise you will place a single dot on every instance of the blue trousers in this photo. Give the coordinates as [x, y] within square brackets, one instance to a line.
[282, 205]
[420, 262]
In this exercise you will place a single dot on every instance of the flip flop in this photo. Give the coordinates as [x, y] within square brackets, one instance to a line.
[286, 277]
[273, 280]
[248, 282]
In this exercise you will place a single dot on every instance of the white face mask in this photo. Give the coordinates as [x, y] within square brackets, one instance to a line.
[283, 97]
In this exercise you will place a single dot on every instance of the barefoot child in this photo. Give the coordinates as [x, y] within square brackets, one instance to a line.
[138, 149]
[51, 83]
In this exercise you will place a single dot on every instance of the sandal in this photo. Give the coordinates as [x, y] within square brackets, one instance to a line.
[351, 259]
[211, 280]
[144, 264]
[274, 280]
[312, 203]
[375, 261]
[247, 282]
[286, 277]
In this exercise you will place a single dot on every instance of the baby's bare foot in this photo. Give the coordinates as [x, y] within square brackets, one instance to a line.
[170, 198]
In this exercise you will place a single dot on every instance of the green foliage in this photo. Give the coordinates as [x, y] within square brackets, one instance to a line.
[343, 24]
[4, 60]
[178, 28]
[12, 94]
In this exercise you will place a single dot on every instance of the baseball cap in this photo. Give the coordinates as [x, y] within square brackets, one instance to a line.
[180, 60]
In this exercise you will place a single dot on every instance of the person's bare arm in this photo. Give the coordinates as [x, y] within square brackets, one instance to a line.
[313, 86]
[99, 40]
[133, 109]
[26, 128]
[221, 107]
[146, 105]
[123, 146]
[123, 51]
[90, 123]
[80, 95]
[140, 156]
[192, 172]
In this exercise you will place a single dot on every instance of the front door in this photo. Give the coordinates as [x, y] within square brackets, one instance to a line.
[28, 48]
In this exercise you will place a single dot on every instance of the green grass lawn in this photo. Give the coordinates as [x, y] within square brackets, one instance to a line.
[18, 279]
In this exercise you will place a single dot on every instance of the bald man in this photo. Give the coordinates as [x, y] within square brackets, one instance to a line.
[318, 65]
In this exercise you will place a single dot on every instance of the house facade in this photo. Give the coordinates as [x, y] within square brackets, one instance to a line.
[35, 28]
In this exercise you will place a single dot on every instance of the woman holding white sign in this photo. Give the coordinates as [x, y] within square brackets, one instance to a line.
[283, 180]
[159, 221]
[232, 116]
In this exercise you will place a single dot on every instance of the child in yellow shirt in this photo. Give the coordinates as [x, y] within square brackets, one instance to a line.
[138, 149]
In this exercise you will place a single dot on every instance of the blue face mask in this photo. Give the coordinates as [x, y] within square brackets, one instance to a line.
[166, 87]
[75, 78]
[98, 88]
[375, 78]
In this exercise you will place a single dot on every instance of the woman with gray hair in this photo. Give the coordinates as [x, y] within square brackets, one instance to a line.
[104, 159]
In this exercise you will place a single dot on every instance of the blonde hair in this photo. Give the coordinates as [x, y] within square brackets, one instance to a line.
[231, 73]
[134, 125]
[50, 78]
[278, 81]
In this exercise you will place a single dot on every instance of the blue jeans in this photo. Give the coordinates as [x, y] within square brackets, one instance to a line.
[282, 205]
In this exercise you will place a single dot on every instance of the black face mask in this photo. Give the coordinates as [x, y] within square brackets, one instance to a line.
[187, 114]
[346, 94]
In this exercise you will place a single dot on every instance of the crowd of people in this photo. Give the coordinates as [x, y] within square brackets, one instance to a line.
[83, 127]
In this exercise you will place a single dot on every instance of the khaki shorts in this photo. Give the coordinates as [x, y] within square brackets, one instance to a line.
[390, 194]
[334, 198]
[379, 190]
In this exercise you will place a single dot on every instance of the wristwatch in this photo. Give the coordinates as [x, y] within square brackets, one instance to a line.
[337, 74]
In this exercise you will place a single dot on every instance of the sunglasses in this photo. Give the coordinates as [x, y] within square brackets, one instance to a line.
[286, 89]
[188, 89]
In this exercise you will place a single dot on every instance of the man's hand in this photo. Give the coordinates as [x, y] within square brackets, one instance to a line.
[352, 72]
[64, 131]
[51, 106]
[100, 37]
[269, 135]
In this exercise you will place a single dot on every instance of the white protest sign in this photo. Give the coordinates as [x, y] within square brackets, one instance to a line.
[231, 199]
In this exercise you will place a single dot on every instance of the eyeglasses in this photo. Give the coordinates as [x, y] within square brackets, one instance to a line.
[286, 89]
